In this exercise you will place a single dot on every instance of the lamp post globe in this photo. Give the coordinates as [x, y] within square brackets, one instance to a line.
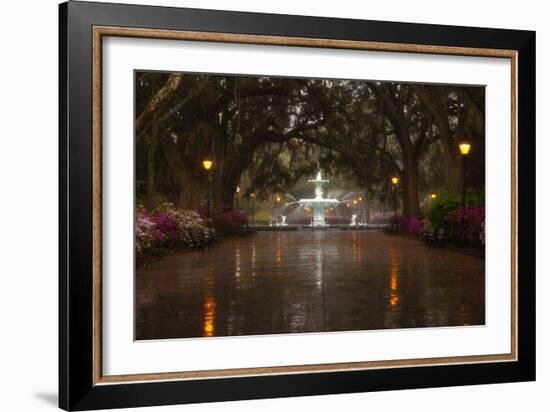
[207, 165]
[394, 182]
[464, 147]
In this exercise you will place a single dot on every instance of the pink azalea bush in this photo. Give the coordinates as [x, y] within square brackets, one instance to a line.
[410, 225]
[165, 227]
[230, 222]
[470, 222]
[414, 225]
[335, 220]
[462, 226]
[147, 232]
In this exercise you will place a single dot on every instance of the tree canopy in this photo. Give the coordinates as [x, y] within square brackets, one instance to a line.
[264, 133]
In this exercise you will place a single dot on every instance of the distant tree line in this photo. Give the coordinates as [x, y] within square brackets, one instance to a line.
[273, 130]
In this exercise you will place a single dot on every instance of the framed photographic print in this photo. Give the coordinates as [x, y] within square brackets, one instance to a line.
[257, 205]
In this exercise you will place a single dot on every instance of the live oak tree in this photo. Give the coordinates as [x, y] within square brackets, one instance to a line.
[275, 130]
[458, 112]
[230, 119]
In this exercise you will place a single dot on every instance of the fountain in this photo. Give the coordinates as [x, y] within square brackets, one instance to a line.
[353, 220]
[319, 203]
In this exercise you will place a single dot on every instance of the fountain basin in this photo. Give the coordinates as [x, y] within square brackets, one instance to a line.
[318, 208]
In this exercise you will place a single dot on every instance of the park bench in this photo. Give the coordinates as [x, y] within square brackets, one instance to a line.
[209, 238]
[247, 230]
[436, 236]
[393, 228]
[197, 239]
[203, 238]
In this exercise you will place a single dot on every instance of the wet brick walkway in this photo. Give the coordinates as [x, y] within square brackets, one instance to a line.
[308, 281]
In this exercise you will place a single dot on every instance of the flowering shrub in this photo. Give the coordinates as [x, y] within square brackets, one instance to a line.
[470, 224]
[414, 225]
[165, 227]
[462, 226]
[232, 222]
[147, 233]
[337, 220]
[448, 201]
[407, 224]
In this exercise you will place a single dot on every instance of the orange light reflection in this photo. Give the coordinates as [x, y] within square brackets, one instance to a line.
[209, 306]
[394, 271]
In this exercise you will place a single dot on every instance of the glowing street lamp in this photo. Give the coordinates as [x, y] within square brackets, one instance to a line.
[464, 147]
[433, 195]
[207, 165]
[237, 190]
[394, 182]
[278, 200]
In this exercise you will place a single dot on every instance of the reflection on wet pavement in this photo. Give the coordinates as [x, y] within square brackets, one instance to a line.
[308, 281]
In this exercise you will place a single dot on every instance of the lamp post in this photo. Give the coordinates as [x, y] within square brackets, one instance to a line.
[464, 150]
[207, 165]
[394, 182]
[464, 147]
[278, 199]
[273, 207]
[237, 190]
[433, 195]
[253, 197]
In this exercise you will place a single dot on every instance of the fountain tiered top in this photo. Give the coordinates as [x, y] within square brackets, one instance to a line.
[319, 200]
[318, 203]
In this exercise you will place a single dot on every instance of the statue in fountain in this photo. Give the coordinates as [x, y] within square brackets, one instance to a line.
[319, 203]
[353, 220]
[283, 220]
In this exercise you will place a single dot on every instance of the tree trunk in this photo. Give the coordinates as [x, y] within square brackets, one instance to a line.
[152, 197]
[409, 189]
[393, 111]
[409, 179]
[434, 105]
[190, 190]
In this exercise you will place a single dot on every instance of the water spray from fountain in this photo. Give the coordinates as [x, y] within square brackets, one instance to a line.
[319, 203]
